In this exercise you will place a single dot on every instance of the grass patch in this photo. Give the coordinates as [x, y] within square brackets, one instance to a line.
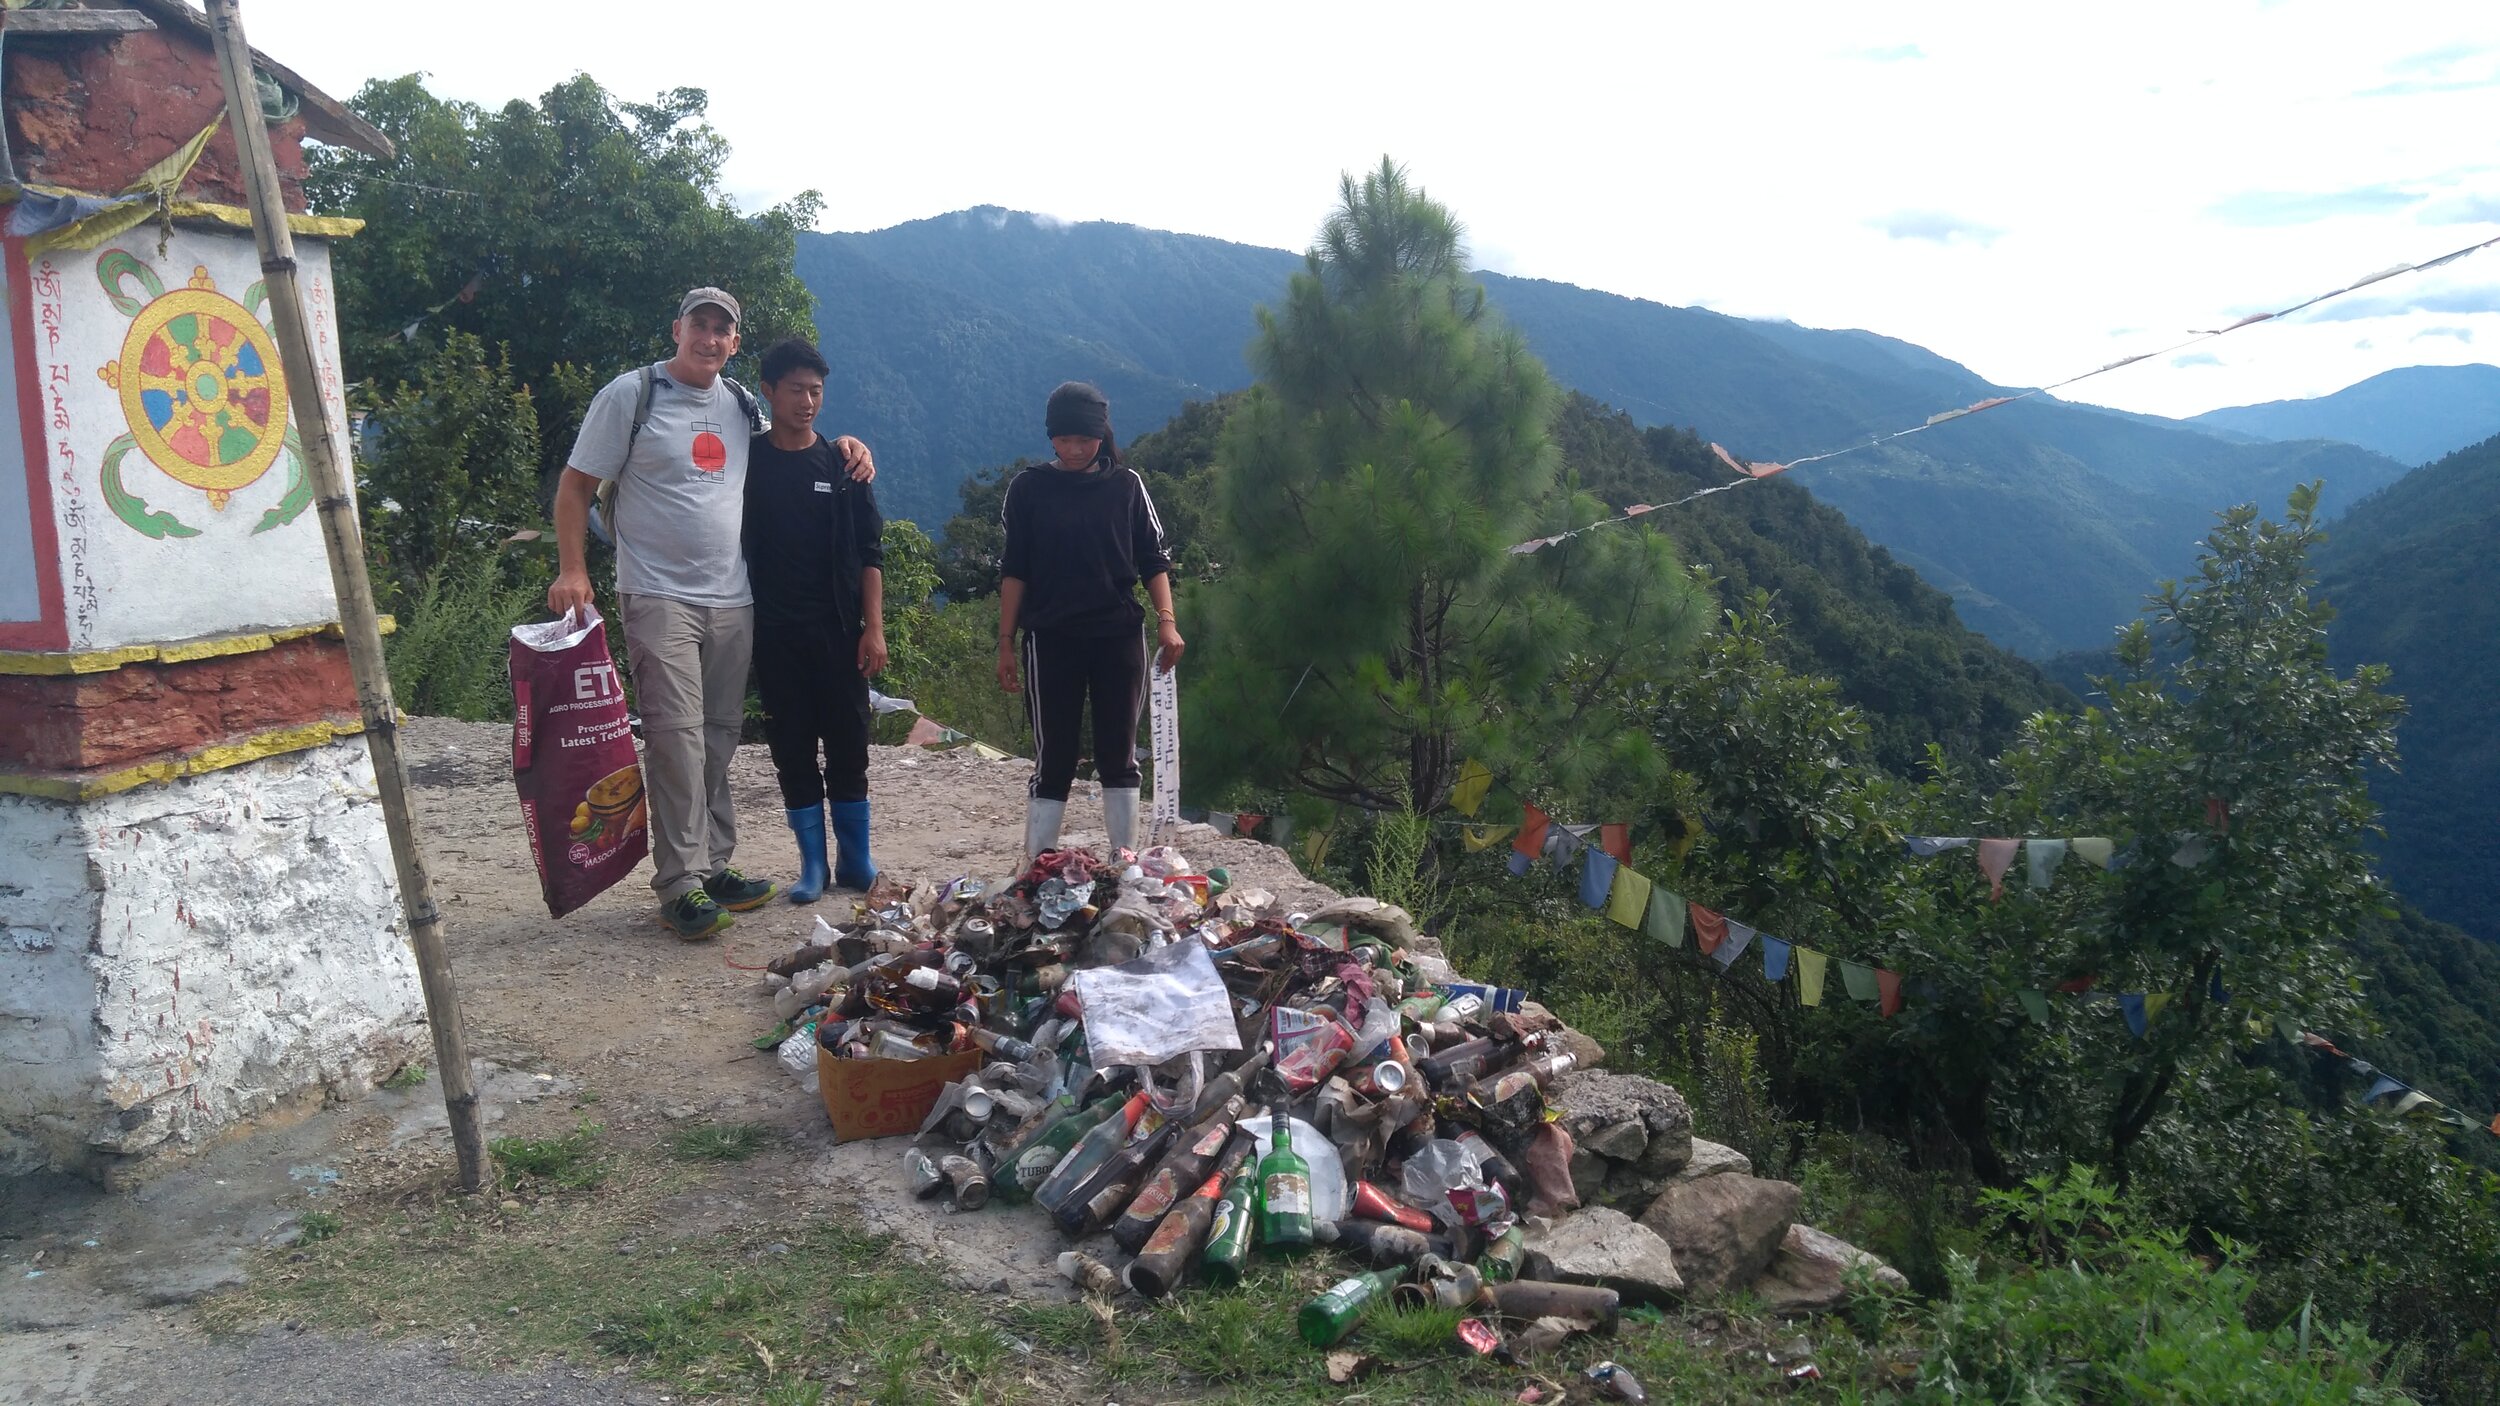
[407, 1076]
[812, 1308]
[315, 1226]
[571, 1162]
[718, 1142]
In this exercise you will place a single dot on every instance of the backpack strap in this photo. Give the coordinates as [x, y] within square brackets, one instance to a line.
[603, 502]
[758, 419]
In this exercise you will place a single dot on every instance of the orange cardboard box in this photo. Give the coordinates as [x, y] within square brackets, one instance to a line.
[871, 1098]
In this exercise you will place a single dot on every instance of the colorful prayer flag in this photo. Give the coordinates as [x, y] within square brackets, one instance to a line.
[1709, 929]
[1247, 823]
[1858, 980]
[1739, 937]
[1888, 992]
[924, 731]
[1315, 846]
[1774, 959]
[1683, 844]
[2386, 1085]
[1616, 840]
[1630, 900]
[2095, 850]
[1666, 917]
[2044, 857]
[1518, 865]
[2154, 1001]
[1597, 879]
[1531, 840]
[2131, 1005]
[1929, 846]
[1467, 797]
[1222, 821]
[1479, 838]
[2035, 1005]
[1995, 857]
[1810, 968]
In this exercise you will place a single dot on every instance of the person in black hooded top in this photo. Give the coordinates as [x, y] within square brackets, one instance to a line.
[1081, 534]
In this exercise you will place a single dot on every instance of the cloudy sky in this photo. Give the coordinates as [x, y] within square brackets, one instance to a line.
[2031, 190]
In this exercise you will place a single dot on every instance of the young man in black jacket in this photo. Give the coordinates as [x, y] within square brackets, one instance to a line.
[815, 549]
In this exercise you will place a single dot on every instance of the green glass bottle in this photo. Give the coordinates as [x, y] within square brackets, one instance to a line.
[1284, 1189]
[1333, 1314]
[1229, 1229]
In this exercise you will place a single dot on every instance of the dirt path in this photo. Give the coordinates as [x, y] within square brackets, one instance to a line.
[599, 1015]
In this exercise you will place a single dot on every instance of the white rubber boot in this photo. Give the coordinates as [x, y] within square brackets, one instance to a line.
[1119, 817]
[1041, 825]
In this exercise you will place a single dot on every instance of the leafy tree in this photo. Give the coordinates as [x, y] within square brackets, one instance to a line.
[448, 468]
[1370, 629]
[560, 232]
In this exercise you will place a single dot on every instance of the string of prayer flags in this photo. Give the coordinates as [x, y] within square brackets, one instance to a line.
[2043, 857]
[1666, 917]
[1810, 968]
[1597, 878]
[1467, 797]
[1629, 903]
[1616, 840]
[1754, 471]
[1709, 929]
[1995, 857]
[1858, 980]
[1479, 838]
[1739, 937]
[1774, 959]
[1531, 841]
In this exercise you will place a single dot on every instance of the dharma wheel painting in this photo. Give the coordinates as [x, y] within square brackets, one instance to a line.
[203, 396]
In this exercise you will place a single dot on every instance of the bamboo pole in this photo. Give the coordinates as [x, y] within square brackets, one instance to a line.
[358, 623]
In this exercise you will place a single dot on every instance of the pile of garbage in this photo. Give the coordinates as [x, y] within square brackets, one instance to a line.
[1149, 1051]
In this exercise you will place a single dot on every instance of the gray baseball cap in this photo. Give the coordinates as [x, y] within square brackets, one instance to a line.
[698, 297]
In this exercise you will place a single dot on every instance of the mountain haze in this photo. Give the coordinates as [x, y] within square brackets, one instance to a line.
[2413, 414]
[2046, 522]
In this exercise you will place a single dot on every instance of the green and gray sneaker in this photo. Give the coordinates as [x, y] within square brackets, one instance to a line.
[738, 893]
[693, 916]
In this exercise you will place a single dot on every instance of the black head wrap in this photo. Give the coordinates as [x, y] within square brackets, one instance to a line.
[1078, 409]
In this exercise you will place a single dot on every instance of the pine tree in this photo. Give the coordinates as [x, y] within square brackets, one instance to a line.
[1372, 629]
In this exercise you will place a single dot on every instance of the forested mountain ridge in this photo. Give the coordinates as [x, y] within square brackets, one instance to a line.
[2413, 414]
[2414, 575]
[2045, 521]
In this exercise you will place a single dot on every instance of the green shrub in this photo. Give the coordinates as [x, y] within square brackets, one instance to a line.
[2096, 1309]
[447, 657]
[569, 1163]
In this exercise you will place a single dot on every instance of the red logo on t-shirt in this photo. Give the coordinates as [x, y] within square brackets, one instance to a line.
[710, 454]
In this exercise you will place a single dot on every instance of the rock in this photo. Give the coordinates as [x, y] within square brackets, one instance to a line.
[1712, 1158]
[1725, 1228]
[1593, 1100]
[1605, 1247]
[1811, 1272]
[1624, 1141]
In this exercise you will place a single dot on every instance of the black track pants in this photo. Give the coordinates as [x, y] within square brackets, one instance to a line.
[1060, 673]
[814, 697]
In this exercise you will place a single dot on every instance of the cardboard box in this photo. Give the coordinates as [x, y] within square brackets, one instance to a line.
[872, 1098]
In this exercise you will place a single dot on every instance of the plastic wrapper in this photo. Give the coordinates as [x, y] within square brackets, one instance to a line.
[1166, 1003]
[1309, 1045]
[798, 1056]
[1549, 1171]
[1444, 1178]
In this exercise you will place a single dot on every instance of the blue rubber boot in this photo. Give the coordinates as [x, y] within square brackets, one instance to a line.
[809, 826]
[852, 868]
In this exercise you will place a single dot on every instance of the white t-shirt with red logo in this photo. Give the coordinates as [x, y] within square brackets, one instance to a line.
[680, 498]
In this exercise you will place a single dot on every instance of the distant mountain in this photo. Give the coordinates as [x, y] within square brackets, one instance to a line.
[2413, 414]
[2414, 575]
[2046, 522]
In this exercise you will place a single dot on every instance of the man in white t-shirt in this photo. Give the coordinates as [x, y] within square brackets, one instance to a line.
[681, 577]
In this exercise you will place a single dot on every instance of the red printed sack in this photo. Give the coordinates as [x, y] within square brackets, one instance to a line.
[573, 760]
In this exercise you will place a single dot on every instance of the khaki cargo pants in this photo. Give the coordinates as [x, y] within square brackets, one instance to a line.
[689, 664]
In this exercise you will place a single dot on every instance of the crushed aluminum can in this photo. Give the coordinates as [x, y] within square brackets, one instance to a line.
[1481, 1338]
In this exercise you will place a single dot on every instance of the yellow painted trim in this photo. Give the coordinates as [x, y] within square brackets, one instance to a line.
[207, 759]
[317, 226]
[98, 661]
